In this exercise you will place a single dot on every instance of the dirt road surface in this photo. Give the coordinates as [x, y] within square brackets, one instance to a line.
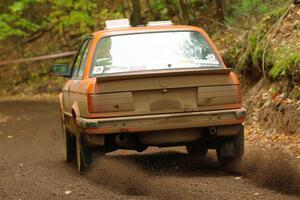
[32, 166]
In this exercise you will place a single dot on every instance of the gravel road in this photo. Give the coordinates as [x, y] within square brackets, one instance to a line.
[32, 166]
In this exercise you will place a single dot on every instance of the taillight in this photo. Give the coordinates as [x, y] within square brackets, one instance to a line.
[110, 102]
[218, 95]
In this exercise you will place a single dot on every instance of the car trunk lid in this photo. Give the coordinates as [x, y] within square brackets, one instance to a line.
[164, 92]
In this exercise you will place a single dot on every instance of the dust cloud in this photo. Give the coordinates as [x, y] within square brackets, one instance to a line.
[143, 174]
[119, 175]
[273, 169]
[127, 178]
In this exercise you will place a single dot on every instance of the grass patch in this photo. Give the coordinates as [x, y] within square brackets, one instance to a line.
[285, 66]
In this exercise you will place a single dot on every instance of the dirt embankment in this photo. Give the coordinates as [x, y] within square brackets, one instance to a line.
[274, 112]
[273, 119]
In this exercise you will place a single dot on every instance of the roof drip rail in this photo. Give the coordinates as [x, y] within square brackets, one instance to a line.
[160, 23]
[117, 23]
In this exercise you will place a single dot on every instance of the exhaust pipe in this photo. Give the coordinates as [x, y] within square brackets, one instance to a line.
[121, 140]
[213, 130]
[128, 142]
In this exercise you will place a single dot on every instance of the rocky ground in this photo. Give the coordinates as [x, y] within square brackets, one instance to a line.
[32, 167]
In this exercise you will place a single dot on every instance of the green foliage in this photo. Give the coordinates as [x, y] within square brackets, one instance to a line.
[159, 6]
[280, 58]
[249, 10]
[257, 42]
[35, 27]
[248, 54]
[285, 66]
[77, 16]
[245, 7]
[72, 14]
[13, 23]
[18, 7]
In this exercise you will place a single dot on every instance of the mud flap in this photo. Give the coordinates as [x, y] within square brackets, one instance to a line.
[227, 149]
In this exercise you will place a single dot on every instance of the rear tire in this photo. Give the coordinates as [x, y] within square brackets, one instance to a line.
[69, 144]
[230, 162]
[84, 154]
[69, 147]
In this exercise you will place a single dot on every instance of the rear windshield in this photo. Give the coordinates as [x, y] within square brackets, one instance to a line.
[153, 51]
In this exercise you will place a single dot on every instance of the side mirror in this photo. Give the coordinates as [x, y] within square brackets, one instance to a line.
[62, 70]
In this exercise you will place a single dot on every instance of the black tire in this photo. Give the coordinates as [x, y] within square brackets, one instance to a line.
[231, 162]
[84, 154]
[197, 149]
[69, 147]
[69, 144]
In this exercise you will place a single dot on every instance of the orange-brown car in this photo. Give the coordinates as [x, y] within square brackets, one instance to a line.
[157, 85]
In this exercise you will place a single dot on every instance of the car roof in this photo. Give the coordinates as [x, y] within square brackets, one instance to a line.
[145, 29]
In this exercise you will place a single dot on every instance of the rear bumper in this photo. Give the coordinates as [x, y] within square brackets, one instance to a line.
[161, 121]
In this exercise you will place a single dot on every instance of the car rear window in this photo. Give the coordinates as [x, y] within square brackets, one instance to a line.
[153, 51]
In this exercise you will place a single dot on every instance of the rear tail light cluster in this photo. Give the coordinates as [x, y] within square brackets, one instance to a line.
[218, 95]
[110, 102]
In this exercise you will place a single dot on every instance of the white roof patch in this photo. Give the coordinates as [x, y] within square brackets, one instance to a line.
[117, 23]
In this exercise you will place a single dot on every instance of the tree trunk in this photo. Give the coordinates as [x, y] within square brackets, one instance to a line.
[220, 12]
[172, 10]
[123, 8]
[136, 17]
[183, 12]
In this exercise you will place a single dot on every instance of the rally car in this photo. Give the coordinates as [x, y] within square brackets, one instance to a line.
[154, 85]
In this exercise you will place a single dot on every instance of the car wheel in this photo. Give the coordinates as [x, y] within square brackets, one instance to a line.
[69, 147]
[84, 154]
[196, 149]
[230, 152]
[69, 143]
